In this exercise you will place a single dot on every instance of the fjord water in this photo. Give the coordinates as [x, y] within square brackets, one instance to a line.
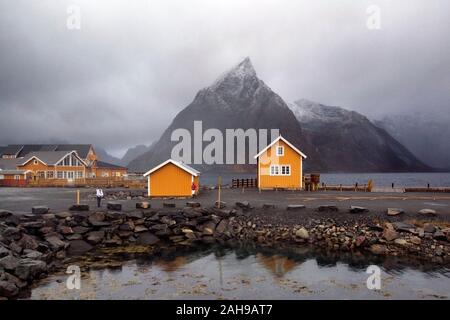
[244, 273]
[401, 180]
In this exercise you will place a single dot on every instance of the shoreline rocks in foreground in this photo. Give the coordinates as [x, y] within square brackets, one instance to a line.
[33, 245]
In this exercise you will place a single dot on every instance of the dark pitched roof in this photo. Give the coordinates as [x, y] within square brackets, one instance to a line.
[22, 150]
[101, 164]
[12, 149]
[8, 164]
[81, 149]
[48, 157]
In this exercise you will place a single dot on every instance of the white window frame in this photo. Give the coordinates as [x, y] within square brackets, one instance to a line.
[17, 177]
[277, 170]
[282, 151]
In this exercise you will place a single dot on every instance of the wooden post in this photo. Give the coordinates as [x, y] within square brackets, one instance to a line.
[78, 196]
[219, 182]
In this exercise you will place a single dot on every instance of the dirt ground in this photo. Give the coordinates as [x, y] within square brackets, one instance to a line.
[20, 200]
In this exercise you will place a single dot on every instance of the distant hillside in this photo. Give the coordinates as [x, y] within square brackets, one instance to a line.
[134, 152]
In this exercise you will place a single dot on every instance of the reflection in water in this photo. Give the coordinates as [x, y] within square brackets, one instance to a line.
[250, 273]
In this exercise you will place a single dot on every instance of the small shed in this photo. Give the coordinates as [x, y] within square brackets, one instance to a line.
[172, 179]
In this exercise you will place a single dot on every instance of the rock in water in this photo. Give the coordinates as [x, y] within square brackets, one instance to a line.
[5, 213]
[78, 247]
[394, 211]
[268, 206]
[8, 289]
[193, 204]
[39, 210]
[29, 269]
[147, 238]
[169, 205]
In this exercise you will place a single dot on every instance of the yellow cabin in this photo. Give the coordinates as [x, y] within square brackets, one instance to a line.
[172, 179]
[280, 165]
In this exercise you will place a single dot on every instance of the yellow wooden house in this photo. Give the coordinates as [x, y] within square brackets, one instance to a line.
[280, 166]
[172, 179]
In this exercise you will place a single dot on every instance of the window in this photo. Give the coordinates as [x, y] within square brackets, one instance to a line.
[41, 174]
[60, 174]
[70, 174]
[280, 151]
[79, 174]
[274, 170]
[284, 170]
[105, 174]
[35, 161]
[50, 175]
[17, 177]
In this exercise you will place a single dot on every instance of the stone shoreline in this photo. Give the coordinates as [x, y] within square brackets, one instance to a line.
[34, 245]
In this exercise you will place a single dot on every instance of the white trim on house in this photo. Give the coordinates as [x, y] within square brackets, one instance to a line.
[285, 141]
[278, 170]
[148, 186]
[282, 151]
[182, 166]
[35, 158]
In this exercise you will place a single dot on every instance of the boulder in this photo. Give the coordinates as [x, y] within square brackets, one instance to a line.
[208, 228]
[8, 289]
[428, 227]
[75, 236]
[79, 207]
[193, 204]
[3, 251]
[416, 240]
[97, 216]
[127, 226]
[65, 230]
[378, 249]
[78, 247]
[11, 233]
[95, 237]
[394, 211]
[327, 208]
[222, 226]
[403, 226]
[390, 234]
[439, 235]
[295, 207]
[400, 242]
[9, 262]
[32, 254]
[63, 215]
[39, 210]
[357, 209]
[33, 224]
[427, 212]
[147, 238]
[169, 204]
[114, 206]
[139, 229]
[302, 233]
[28, 242]
[80, 229]
[5, 213]
[135, 215]
[29, 269]
[56, 243]
[143, 205]
[244, 205]
[360, 240]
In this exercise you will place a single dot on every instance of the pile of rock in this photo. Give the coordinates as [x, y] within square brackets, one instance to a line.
[30, 243]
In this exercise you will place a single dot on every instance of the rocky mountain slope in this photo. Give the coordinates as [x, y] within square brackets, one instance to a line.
[333, 138]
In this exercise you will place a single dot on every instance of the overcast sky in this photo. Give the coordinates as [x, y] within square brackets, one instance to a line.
[121, 78]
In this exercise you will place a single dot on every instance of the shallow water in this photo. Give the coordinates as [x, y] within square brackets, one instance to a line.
[251, 274]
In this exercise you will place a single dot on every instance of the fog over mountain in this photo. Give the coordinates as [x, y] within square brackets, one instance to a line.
[121, 79]
[333, 138]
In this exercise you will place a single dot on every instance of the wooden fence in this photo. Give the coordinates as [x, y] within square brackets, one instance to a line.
[244, 183]
[79, 183]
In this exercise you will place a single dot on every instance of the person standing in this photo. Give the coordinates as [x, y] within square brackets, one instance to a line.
[99, 194]
[193, 188]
